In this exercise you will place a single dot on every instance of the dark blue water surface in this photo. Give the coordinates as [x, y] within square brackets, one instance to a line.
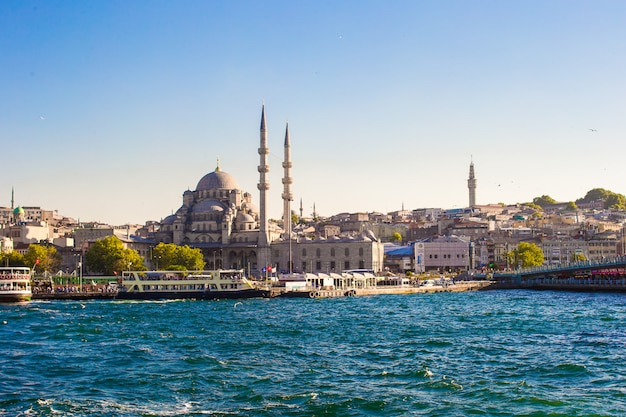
[498, 353]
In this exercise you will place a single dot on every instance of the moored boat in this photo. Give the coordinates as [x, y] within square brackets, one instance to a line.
[205, 285]
[15, 284]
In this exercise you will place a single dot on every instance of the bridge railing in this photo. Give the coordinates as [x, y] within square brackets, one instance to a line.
[618, 261]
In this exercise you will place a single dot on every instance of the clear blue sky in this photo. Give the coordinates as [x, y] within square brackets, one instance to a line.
[110, 110]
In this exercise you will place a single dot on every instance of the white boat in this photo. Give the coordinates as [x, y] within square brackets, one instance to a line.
[206, 285]
[15, 284]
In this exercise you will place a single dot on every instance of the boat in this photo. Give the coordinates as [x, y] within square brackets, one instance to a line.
[173, 285]
[15, 284]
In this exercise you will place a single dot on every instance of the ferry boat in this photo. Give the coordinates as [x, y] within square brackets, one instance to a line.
[15, 284]
[204, 285]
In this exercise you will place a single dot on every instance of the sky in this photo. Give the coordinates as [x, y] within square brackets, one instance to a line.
[110, 110]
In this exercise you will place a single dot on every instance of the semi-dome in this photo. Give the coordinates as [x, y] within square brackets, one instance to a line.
[208, 206]
[217, 179]
[244, 218]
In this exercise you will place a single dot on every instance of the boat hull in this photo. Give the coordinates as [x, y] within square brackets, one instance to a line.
[191, 295]
[15, 297]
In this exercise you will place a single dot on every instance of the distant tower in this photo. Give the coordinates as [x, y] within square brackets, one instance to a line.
[263, 243]
[471, 184]
[287, 181]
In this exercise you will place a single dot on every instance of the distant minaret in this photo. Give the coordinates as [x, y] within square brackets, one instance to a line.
[12, 198]
[263, 243]
[471, 184]
[301, 209]
[287, 181]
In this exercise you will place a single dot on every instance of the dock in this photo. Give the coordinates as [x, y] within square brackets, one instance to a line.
[462, 286]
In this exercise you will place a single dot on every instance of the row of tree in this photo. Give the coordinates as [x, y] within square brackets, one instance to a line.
[610, 199]
[108, 256]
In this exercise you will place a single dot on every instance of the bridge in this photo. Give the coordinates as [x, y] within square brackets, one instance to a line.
[605, 275]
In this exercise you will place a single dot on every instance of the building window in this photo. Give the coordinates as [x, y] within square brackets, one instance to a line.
[303, 266]
[318, 252]
[332, 265]
[303, 252]
[362, 264]
[346, 265]
[318, 265]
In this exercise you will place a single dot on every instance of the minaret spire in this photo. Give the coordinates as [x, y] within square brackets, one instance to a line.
[287, 181]
[471, 184]
[263, 242]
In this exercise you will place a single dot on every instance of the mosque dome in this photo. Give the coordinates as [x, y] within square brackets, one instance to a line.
[244, 218]
[217, 179]
[18, 210]
[208, 206]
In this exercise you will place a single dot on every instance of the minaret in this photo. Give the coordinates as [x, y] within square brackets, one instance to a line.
[263, 243]
[471, 184]
[301, 209]
[287, 181]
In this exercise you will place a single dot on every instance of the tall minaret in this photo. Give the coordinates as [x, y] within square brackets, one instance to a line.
[264, 168]
[471, 184]
[287, 181]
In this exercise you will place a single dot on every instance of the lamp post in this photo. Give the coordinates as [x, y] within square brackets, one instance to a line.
[79, 266]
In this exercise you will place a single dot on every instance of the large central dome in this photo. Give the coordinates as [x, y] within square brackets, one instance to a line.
[217, 179]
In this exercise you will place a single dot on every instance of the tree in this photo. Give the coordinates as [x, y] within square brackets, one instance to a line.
[13, 258]
[544, 200]
[396, 237]
[173, 257]
[42, 258]
[527, 254]
[572, 206]
[108, 256]
[611, 199]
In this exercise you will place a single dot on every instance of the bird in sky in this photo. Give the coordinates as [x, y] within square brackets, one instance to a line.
[593, 130]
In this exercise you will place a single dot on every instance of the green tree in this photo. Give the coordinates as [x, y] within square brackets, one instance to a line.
[611, 199]
[12, 258]
[527, 254]
[396, 237]
[544, 200]
[533, 206]
[109, 256]
[572, 206]
[42, 258]
[173, 257]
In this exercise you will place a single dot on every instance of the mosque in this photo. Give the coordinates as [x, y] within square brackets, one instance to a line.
[220, 219]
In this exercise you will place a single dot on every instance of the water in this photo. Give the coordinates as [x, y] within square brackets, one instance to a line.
[498, 353]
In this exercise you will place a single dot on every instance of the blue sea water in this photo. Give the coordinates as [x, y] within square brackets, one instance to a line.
[497, 353]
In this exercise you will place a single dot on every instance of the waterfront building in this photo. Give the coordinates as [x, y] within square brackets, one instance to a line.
[562, 249]
[336, 254]
[442, 253]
